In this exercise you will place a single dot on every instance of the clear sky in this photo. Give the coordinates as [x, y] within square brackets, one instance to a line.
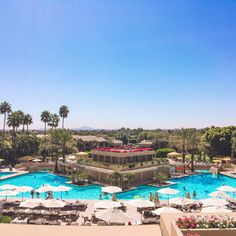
[121, 63]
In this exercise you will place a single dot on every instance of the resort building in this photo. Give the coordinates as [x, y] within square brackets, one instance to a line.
[122, 155]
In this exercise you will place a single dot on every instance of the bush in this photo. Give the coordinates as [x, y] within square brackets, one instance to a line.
[160, 178]
[162, 152]
[6, 219]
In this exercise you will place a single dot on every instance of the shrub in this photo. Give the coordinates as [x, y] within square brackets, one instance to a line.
[162, 152]
[6, 219]
[160, 178]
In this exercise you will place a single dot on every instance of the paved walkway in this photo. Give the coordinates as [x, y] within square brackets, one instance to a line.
[39, 230]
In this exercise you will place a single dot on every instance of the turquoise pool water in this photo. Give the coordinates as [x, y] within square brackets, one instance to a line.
[3, 174]
[203, 184]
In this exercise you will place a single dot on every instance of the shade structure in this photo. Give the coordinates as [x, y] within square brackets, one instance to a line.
[107, 204]
[214, 202]
[37, 160]
[166, 209]
[226, 188]
[111, 189]
[141, 203]
[46, 188]
[219, 194]
[24, 189]
[215, 209]
[71, 158]
[173, 154]
[7, 193]
[168, 191]
[113, 215]
[8, 187]
[53, 203]
[61, 188]
[31, 203]
[181, 201]
[25, 159]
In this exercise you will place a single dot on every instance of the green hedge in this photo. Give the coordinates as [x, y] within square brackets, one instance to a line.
[162, 152]
[6, 219]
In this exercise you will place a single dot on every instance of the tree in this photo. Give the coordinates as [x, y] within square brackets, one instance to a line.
[160, 178]
[14, 121]
[126, 180]
[27, 121]
[5, 109]
[21, 118]
[233, 144]
[115, 178]
[63, 111]
[193, 140]
[46, 118]
[54, 121]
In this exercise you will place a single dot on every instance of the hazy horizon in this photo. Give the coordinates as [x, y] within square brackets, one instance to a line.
[151, 64]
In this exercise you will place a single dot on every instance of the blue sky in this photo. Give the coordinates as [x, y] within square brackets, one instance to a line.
[126, 63]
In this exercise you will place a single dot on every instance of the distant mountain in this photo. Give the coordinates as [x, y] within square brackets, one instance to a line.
[85, 128]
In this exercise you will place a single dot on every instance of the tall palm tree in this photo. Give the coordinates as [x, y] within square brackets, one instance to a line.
[5, 109]
[46, 118]
[63, 112]
[27, 121]
[14, 121]
[193, 141]
[54, 121]
[233, 144]
[21, 117]
[183, 134]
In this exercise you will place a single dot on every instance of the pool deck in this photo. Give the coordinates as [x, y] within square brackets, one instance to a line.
[18, 172]
[229, 174]
[39, 230]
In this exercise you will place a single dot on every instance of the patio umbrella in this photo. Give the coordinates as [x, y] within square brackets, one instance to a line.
[7, 193]
[214, 202]
[107, 204]
[8, 187]
[111, 189]
[37, 160]
[46, 188]
[168, 191]
[219, 194]
[61, 189]
[113, 216]
[226, 188]
[31, 203]
[141, 203]
[156, 199]
[215, 209]
[24, 189]
[181, 201]
[53, 203]
[166, 209]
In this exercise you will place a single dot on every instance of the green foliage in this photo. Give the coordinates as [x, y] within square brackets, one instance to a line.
[126, 180]
[115, 178]
[6, 219]
[162, 152]
[160, 178]
[79, 178]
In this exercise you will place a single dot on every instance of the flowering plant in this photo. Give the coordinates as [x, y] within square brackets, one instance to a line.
[206, 222]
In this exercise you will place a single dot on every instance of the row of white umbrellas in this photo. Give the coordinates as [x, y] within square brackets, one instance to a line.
[50, 203]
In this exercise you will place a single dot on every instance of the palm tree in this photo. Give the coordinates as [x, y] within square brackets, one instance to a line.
[115, 178]
[14, 121]
[63, 111]
[233, 144]
[193, 141]
[126, 180]
[183, 134]
[21, 117]
[27, 121]
[46, 118]
[5, 108]
[54, 121]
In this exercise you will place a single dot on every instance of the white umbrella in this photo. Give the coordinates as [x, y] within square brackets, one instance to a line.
[219, 194]
[37, 160]
[181, 201]
[215, 209]
[46, 188]
[111, 189]
[214, 202]
[168, 191]
[8, 187]
[226, 188]
[24, 189]
[53, 203]
[62, 188]
[31, 203]
[141, 203]
[71, 158]
[165, 210]
[107, 204]
[113, 215]
[7, 193]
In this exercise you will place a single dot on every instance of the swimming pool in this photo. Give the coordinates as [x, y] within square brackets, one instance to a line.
[3, 174]
[203, 184]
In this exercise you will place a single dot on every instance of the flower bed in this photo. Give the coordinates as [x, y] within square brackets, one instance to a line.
[206, 222]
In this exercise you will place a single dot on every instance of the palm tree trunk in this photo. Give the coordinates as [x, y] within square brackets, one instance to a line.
[45, 130]
[183, 158]
[62, 123]
[23, 128]
[27, 128]
[192, 160]
[3, 131]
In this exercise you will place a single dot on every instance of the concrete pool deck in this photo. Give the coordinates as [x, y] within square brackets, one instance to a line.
[39, 230]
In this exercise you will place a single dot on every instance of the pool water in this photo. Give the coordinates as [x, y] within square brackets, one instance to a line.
[203, 184]
[3, 174]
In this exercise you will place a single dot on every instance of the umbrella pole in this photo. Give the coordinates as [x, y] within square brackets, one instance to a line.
[168, 199]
